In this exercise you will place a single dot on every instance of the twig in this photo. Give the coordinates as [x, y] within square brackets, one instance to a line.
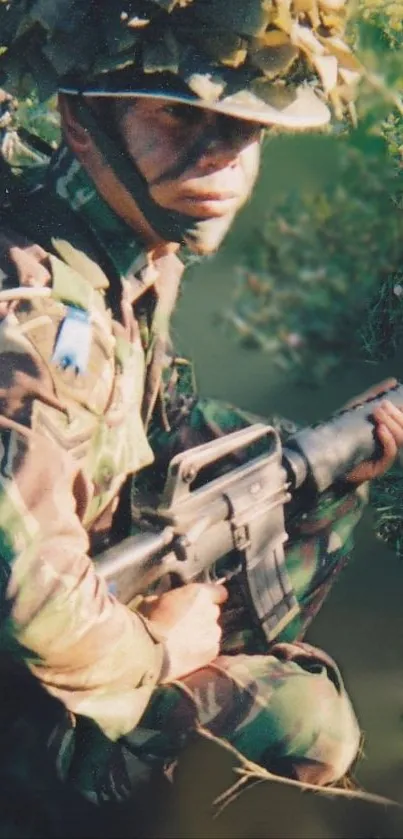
[252, 772]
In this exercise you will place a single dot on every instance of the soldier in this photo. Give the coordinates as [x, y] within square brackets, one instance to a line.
[162, 110]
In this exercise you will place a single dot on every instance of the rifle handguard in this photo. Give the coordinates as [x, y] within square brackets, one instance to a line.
[326, 452]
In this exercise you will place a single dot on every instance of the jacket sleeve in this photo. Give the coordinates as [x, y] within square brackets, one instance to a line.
[94, 654]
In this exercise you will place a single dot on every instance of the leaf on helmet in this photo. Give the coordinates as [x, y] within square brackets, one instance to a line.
[282, 18]
[169, 5]
[206, 87]
[274, 61]
[65, 56]
[349, 77]
[162, 54]
[332, 5]
[337, 47]
[250, 18]
[306, 40]
[271, 38]
[337, 102]
[137, 22]
[119, 33]
[327, 70]
[333, 21]
[44, 13]
[226, 47]
[112, 63]
[44, 74]
[308, 10]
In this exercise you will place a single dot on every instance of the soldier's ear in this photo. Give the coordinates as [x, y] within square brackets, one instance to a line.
[78, 138]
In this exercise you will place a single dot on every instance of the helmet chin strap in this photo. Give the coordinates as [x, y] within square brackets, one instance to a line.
[170, 225]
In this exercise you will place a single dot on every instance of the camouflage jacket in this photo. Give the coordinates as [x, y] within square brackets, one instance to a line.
[91, 393]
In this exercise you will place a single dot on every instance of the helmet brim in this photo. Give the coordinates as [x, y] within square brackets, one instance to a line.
[290, 108]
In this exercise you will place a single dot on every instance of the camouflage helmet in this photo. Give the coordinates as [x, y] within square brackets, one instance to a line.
[275, 62]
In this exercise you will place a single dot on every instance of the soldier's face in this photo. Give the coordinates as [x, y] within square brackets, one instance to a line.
[195, 162]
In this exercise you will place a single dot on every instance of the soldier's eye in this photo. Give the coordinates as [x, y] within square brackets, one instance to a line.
[182, 114]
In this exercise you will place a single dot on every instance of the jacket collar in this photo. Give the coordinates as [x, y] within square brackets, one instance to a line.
[70, 182]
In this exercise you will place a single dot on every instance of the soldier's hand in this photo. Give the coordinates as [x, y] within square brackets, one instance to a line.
[388, 421]
[186, 619]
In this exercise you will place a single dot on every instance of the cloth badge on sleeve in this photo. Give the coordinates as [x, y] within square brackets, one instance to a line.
[73, 342]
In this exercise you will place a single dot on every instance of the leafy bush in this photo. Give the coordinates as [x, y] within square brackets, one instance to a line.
[316, 261]
[319, 257]
[29, 131]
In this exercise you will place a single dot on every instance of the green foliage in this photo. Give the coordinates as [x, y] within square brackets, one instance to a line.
[321, 255]
[40, 118]
[29, 131]
[316, 260]
[386, 14]
[387, 505]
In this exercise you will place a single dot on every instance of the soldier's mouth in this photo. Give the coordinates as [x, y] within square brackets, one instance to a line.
[207, 204]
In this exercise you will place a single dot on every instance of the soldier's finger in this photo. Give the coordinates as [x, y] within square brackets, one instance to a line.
[214, 611]
[371, 469]
[392, 410]
[391, 417]
[211, 633]
[387, 440]
[218, 592]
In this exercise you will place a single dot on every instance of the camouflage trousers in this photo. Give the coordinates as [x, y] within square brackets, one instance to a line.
[287, 711]
[283, 706]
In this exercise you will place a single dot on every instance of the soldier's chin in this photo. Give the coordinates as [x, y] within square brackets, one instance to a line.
[205, 236]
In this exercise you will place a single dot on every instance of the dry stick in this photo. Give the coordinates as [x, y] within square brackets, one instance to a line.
[251, 771]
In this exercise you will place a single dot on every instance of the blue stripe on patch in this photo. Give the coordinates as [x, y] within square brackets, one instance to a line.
[73, 342]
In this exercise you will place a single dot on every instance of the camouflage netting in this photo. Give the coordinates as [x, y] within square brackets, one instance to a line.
[269, 41]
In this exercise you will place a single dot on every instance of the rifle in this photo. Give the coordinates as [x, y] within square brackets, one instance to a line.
[246, 509]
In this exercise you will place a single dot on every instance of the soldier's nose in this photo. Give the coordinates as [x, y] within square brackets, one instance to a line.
[225, 137]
